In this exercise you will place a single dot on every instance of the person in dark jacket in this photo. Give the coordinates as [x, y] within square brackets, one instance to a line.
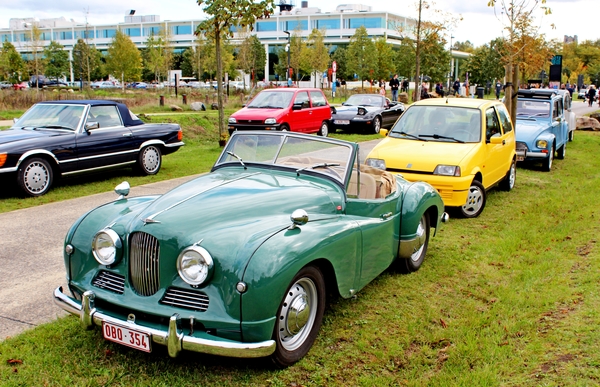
[394, 85]
[591, 94]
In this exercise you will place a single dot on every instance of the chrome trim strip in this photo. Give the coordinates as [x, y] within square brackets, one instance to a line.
[107, 155]
[97, 168]
[173, 338]
[528, 154]
[172, 145]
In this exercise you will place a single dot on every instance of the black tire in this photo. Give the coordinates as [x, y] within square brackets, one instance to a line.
[376, 125]
[285, 128]
[303, 304]
[412, 264]
[475, 201]
[35, 176]
[149, 160]
[561, 152]
[571, 135]
[547, 164]
[508, 183]
[324, 130]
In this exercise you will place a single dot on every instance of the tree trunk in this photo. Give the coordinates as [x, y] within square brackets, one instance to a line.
[417, 95]
[222, 129]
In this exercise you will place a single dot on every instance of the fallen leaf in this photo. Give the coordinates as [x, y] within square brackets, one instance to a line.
[14, 361]
[443, 323]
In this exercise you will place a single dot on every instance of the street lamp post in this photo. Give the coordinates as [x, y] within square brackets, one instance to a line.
[451, 77]
[288, 49]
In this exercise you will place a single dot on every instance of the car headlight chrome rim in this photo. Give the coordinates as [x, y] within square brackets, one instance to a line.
[270, 121]
[376, 163]
[195, 265]
[106, 247]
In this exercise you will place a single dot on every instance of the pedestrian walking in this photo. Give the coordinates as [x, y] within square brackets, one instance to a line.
[405, 86]
[591, 94]
[394, 85]
[456, 86]
[498, 89]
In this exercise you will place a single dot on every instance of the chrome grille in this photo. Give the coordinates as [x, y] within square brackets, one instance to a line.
[188, 299]
[144, 263]
[109, 281]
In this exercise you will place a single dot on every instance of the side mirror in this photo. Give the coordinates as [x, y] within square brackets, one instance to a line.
[122, 190]
[297, 106]
[383, 132]
[15, 120]
[496, 139]
[91, 125]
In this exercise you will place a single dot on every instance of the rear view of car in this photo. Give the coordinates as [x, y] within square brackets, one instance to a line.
[285, 109]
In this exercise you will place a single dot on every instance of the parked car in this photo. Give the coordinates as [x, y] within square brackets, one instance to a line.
[366, 112]
[138, 85]
[461, 146]
[582, 94]
[542, 126]
[56, 138]
[41, 81]
[238, 262]
[5, 85]
[20, 86]
[285, 109]
[237, 85]
[103, 85]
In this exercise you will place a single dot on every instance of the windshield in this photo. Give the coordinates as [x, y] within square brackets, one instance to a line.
[272, 100]
[364, 100]
[49, 116]
[527, 109]
[439, 123]
[298, 152]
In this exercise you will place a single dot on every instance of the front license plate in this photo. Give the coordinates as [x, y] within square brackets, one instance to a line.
[126, 336]
[341, 122]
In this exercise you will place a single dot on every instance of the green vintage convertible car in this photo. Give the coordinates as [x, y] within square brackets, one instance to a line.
[238, 261]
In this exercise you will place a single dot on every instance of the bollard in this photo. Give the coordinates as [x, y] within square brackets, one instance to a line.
[162, 100]
[184, 96]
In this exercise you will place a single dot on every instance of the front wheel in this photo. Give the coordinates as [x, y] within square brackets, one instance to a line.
[561, 152]
[285, 128]
[547, 164]
[571, 135]
[149, 160]
[414, 262]
[299, 317]
[35, 177]
[376, 125]
[324, 131]
[475, 201]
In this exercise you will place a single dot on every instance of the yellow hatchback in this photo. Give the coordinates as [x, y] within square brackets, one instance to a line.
[461, 146]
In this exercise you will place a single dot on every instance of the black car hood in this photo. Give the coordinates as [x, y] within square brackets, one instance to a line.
[354, 109]
[18, 134]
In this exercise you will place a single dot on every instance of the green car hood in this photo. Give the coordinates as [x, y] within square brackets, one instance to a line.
[421, 155]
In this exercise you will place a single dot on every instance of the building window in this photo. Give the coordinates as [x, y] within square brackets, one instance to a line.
[367, 22]
[266, 26]
[84, 34]
[132, 32]
[182, 30]
[151, 31]
[106, 33]
[63, 35]
[328, 24]
[293, 25]
[5, 38]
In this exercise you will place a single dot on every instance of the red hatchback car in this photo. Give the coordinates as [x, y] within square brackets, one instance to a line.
[297, 110]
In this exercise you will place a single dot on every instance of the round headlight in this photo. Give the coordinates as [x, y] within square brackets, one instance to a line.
[195, 265]
[106, 247]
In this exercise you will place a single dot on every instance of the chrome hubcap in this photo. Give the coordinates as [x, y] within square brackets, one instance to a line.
[297, 314]
[421, 238]
[151, 160]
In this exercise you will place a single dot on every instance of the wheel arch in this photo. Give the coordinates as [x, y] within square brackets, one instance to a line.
[43, 154]
[420, 198]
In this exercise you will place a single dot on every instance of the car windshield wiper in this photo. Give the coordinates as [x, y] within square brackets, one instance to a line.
[54, 127]
[437, 136]
[315, 166]
[270, 107]
[410, 135]
[238, 158]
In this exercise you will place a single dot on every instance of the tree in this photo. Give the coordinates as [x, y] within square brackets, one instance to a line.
[57, 60]
[485, 63]
[252, 56]
[463, 46]
[37, 65]
[225, 14]
[87, 62]
[316, 54]
[386, 59]
[11, 63]
[123, 59]
[360, 60]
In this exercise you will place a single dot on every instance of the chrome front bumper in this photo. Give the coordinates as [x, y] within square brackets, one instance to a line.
[174, 339]
[528, 154]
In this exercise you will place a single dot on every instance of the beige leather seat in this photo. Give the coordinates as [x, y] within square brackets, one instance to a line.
[367, 189]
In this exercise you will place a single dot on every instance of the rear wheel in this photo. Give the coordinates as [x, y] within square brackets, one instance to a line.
[475, 201]
[35, 177]
[324, 131]
[299, 317]
[149, 160]
[509, 181]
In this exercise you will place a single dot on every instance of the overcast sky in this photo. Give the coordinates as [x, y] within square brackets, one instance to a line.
[479, 24]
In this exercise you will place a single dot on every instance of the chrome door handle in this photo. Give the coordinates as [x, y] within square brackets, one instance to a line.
[386, 215]
[127, 134]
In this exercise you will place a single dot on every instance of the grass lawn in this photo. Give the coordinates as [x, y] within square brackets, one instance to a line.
[507, 299]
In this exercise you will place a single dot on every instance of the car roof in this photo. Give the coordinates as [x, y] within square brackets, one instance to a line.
[128, 120]
[291, 89]
[473, 103]
[537, 93]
